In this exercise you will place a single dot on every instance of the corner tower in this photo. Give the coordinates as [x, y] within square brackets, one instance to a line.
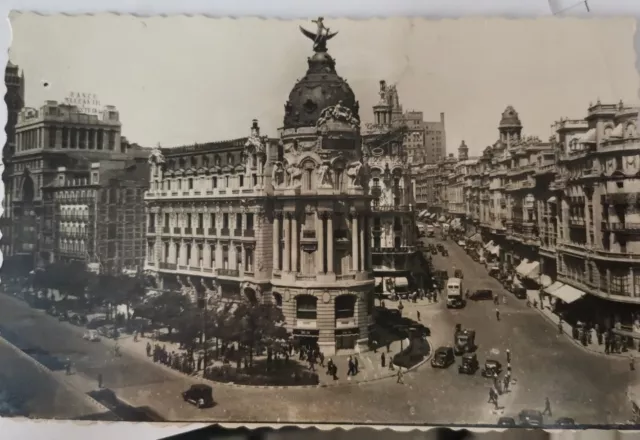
[510, 127]
[321, 265]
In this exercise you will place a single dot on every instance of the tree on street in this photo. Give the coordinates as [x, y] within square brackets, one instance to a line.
[259, 325]
[165, 308]
[70, 279]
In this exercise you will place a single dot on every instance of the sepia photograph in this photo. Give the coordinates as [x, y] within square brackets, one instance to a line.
[379, 222]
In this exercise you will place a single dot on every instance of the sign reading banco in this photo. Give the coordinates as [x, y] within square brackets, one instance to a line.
[85, 102]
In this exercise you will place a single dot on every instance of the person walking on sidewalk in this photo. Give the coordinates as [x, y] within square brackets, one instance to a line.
[356, 365]
[497, 314]
[418, 314]
[383, 360]
[400, 307]
[508, 356]
[547, 407]
[321, 357]
[632, 362]
[99, 380]
[400, 376]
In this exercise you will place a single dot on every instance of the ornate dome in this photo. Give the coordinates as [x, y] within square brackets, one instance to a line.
[510, 118]
[320, 88]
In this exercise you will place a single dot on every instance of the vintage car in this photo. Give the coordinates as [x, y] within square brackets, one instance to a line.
[565, 421]
[530, 417]
[492, 368]
[200, 395]
[506, 421]
[464, 341]
[520, 292]
[91, 335]
[469, 364]
[443, 357]
[458, 274]
[482, 295]
[445, 253]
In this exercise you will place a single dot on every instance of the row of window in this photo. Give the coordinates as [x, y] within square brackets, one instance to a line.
[80, 138]
[197, 220]
[202, 183]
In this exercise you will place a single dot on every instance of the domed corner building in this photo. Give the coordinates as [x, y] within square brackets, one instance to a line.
[322, 272]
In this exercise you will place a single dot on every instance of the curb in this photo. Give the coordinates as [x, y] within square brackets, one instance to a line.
[298, 387]
[618, 356]
[90, 400]
[142, 356]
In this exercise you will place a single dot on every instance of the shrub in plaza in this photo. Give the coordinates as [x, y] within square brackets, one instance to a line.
[166, 308]
[110, 291]
[278, 377]
[70, 279]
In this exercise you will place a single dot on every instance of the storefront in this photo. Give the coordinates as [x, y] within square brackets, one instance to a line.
[306, 338]
[346, 338]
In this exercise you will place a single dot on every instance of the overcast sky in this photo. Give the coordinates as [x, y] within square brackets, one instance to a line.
[180, 80]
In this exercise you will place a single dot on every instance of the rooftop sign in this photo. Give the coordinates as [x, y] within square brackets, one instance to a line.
[86, 102]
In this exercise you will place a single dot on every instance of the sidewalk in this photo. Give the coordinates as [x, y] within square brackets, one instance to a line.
[369, 363]
[567, 329]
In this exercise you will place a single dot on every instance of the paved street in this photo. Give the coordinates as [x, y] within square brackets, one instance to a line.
[28, 391]
[581, 385]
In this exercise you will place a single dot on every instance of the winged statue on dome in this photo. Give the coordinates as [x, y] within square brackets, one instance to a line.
[321, 36]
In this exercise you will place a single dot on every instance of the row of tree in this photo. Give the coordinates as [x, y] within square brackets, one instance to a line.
[253, 326]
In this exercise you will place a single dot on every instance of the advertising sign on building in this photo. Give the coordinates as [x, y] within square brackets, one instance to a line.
[86, 102]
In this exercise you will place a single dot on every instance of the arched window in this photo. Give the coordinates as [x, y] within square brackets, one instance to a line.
[251, 296]
[277, 299]
[306, 307]
[345, 306]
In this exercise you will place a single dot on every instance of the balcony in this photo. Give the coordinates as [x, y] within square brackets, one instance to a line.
[199, 231]
[188, 231]
[224, 232]
[237, 232]
[167, 266]
[394, 208]
[308, 235]
[250, 233]
[228, 272]
[211, 231]
[576, 222]
[176, 230]
[393, 250]
[621, 228]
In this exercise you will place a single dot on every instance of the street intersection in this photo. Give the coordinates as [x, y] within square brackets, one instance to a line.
[589, 388]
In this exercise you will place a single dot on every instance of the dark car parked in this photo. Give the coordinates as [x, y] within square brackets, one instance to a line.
[481, 295]
[565, 421]
[199, 395]
[506, 421]
[530, 417]
[443, 357]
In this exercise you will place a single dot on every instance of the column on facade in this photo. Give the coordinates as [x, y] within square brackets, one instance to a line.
[233, 257]
[565, 220]
[183, 254]
[287, 244]
[362, 254]
[172, 257]
[95, 139]
[295, 248]
[587, 218]
[206, 255]
[330, 255]
[105, 139]
[320, 237]
[219, 261]
[276, 241]
[354, 242]
[77, 132]
[368, 244]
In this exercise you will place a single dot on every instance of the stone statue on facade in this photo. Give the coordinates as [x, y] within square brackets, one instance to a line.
[156, 156]
[338, 112]
[277, 175]
[324, 176]
[295, 176]
[354, 171]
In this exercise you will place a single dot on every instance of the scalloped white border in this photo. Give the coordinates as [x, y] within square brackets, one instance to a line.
[282, 9]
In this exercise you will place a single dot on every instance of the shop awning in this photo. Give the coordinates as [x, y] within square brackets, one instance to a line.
[545, 280]
[533, 270]
[568, 294]
[552, 288]
[476, 238]
[442, 218]
[552, 199]
[423, 213]
[495, 250]
[401, 282]
[488, 245]
[522, 267]
[516, 282]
